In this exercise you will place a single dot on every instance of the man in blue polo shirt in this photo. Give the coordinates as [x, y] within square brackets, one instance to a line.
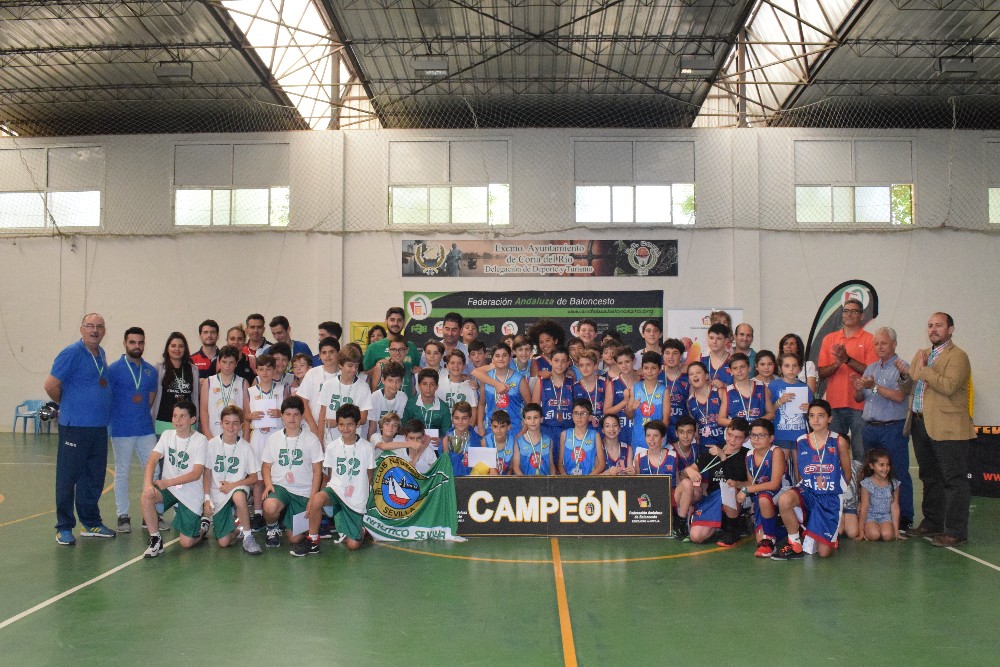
[133, 390]
[78, 382]
[282, 332]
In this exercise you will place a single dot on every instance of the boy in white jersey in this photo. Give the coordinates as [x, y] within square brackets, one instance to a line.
[346, 388]
[454, 386]
[312, 383]
[389, 398]
[230, 470]
[183, 453]
[223, 389]
[292, 468]
[264, 415]
[350, 461]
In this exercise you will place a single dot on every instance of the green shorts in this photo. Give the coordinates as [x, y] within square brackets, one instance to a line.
[347, 521]
[185, 521]
[224, 520]
[293, 505]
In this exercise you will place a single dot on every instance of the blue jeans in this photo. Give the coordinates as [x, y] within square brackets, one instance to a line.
[890, 438]
[80, 466]
[141, 446]
[849, 420]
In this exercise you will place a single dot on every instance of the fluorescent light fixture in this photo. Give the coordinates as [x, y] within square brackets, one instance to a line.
[173, 71]
[697, 65]
[430, 66]
[956, 67]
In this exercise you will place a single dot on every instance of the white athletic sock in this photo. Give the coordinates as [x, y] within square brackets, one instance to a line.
[258, 512]
[314, 538]
[156, 534]
[794, 537]
[247, 533]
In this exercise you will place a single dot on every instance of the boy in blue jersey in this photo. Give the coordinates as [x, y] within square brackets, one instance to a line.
[555, 394]
[533, 449]
[704, 404]
[501, 438]
[717, 360]
[647, 398]
[791, 417]
[590, 386]
[765, 473]
[501, 387]
[619, 392]
[677, 384]
[823, 460]
[460, 438]
[581, 451]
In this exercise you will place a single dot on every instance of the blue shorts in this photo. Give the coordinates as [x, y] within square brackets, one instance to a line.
[821, 512]
[708, 511]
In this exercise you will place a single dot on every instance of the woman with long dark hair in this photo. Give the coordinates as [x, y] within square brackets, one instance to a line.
[792, 344]
[177, 378]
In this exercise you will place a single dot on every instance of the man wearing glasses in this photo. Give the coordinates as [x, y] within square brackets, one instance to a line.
[78, 382]
[844, 355]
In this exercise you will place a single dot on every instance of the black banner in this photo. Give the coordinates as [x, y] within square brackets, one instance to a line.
[984, 462]
[564, 506]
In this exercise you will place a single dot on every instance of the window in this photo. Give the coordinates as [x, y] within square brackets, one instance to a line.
[451, 182]
[222, 185]
[991, 152]
[634, 182]
[995, 206]
[641, 204]
[443, 205]
[891, 204]
[864, 182]
[51, 187]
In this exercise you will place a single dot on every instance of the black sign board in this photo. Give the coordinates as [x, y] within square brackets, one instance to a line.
[564, 506]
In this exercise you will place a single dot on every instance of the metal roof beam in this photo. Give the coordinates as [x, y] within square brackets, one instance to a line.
[924, 48]
[113, 54]
[132, 92]
[62, 10]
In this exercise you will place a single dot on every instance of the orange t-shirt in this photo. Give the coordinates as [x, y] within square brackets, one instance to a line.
[860, 346]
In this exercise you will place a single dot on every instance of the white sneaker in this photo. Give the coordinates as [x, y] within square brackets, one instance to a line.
[250, 545]
[155, 547]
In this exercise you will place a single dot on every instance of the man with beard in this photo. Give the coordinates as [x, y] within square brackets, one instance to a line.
[380, 349]
[133, 390]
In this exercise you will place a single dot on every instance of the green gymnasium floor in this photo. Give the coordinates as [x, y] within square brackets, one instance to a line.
[489, 601]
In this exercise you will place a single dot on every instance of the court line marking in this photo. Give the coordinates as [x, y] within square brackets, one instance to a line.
[565, 624]
[971, 557]
[546, 561]
[35, 516]
[65, 594]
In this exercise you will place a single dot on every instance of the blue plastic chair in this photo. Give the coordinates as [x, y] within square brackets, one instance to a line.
[31, 409]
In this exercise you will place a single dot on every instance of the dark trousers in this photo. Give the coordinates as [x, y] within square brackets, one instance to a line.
[890, 438]
[944, 471]
[80, 470]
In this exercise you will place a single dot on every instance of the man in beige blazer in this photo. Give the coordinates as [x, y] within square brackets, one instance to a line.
[941, 427]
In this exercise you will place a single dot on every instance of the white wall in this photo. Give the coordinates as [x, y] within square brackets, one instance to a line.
[339, 261]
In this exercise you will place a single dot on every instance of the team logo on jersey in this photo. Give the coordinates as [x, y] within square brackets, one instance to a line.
[429, 257]
[419, 307]
[644, 501]
[397, 487]
[643, 257]
[818, 468]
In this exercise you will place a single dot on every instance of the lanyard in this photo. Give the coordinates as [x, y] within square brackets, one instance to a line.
[136, 377]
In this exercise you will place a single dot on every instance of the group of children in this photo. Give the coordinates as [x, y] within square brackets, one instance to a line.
[732, 444]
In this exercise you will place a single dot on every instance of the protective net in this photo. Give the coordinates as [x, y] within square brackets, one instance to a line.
[499, 118]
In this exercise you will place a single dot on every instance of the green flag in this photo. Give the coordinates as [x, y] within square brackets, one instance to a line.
[405, 505]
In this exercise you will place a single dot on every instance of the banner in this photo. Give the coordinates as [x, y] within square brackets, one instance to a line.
[500, 314]
[693, 323]
[570, 506]
[463, 258]
[984, 462]
[405, 505]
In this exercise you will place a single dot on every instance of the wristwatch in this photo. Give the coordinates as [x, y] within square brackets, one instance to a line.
[875, 390]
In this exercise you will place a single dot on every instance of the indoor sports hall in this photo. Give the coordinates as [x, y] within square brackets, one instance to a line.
[165, 162]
